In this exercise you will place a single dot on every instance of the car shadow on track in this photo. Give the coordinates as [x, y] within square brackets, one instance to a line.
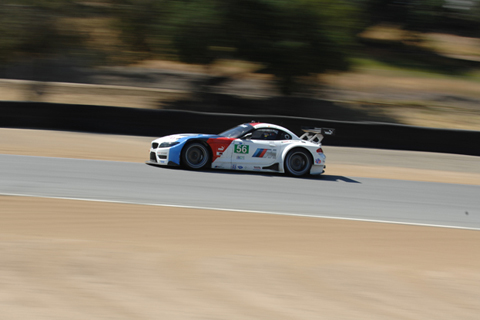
[323, 177]
[326, 177]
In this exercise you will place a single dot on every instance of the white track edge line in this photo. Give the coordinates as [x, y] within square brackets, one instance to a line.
[242, 210]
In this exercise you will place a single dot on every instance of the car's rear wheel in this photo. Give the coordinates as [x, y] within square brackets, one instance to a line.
[195, 156]
[298, 162]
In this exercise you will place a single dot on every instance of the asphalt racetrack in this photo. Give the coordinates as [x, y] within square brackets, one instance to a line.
[409, 202]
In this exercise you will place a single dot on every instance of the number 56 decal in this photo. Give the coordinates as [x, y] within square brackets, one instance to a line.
[241, 148]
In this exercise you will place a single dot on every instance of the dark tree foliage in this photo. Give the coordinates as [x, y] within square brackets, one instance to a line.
[290, 38]
[424, 15]
[137, 21]
[30, 29]
[198, 30]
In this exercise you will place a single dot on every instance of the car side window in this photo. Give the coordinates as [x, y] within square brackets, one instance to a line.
[265, 134]
[282, 135]
[270, 134]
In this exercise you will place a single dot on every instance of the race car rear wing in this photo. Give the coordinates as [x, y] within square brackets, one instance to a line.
[316, 135]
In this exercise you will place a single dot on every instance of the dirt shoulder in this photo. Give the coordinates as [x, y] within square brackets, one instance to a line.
[355, 162]
[78, 259]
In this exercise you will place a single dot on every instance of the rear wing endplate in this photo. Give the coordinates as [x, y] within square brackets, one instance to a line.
[316, 135]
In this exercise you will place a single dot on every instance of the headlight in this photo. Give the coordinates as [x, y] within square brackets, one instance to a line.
[168, 144]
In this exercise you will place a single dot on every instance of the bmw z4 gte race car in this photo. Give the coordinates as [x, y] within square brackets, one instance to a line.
[250, 146]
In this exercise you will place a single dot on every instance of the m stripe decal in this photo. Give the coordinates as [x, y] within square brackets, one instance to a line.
[260, 153]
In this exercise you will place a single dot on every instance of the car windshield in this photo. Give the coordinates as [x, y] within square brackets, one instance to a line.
[237, 131]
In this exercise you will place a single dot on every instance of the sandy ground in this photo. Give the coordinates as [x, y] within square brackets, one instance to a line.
[64, 259]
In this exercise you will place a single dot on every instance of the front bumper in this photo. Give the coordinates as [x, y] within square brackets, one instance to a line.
[169, 156]
[158, 157]
[163, 157]
[153, 163]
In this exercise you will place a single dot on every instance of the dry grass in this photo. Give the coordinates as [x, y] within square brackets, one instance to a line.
[454, 46]
[444, 44]
[430, 102]
[75, 93]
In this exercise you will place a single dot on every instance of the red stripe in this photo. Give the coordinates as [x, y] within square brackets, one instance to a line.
[219, 145]
[263, 153]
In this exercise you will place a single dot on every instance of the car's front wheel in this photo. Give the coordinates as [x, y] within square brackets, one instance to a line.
[298, 162]
[195, 156]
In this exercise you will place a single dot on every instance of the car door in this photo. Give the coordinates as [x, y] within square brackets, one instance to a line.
[256, 151]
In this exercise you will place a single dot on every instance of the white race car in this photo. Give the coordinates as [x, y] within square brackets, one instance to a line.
[250, 146]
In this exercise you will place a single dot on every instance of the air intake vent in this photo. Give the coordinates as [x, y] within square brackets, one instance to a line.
[155, 145]
[153, 157]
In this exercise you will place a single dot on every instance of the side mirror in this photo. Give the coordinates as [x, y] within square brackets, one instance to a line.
[247, 136]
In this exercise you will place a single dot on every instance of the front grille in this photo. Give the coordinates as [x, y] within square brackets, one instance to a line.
[155, 145]
[162, 156]
[153, 157]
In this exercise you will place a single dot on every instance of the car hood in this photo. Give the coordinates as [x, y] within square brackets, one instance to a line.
[184, 137]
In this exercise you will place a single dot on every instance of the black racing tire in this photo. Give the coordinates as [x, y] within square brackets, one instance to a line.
[298, 162]
[195, 156]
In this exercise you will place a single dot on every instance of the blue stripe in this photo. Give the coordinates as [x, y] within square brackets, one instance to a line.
[176, 151]
[258, 152]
